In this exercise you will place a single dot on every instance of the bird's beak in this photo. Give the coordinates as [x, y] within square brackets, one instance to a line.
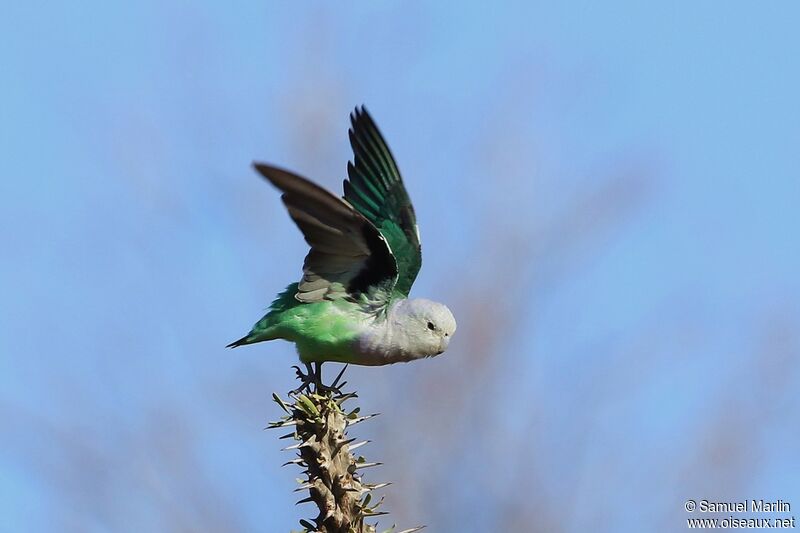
[443, 345]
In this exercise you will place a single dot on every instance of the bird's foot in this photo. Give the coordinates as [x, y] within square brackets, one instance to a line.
[306, 379]
[311, 381]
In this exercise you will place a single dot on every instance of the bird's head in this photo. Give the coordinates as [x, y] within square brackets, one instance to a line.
[431, 325]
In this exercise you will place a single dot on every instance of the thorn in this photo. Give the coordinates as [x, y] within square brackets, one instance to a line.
[413, 529]
[297, 446]
[344, 397]
[367, 512]
[377, 486]
[305, 444]
[304, 500]
[304, 486]
[335, 381]
[298, 461]
[328, 513]
[359, 444]
[355, 421]
[378, 504]
[341, 445]
[359, 466]
[281, 424]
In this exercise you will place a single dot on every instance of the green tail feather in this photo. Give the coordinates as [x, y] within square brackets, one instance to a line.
[261, 330]
[241, 342]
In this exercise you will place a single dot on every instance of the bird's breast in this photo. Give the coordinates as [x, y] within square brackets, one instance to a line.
[378, 346]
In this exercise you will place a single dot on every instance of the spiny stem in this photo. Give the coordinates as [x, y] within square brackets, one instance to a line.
[332, 472]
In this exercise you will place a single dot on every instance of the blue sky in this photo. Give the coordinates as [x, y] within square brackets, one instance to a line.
[630, 169]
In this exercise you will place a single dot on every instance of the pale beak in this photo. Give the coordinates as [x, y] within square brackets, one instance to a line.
[443, 345]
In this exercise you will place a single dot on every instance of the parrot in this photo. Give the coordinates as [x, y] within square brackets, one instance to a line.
[352, 302]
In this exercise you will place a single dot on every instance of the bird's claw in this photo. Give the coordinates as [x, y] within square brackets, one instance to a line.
[311, 381]
[306, 379]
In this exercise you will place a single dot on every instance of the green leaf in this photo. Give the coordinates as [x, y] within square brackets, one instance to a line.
[307, 406]
[278, 400]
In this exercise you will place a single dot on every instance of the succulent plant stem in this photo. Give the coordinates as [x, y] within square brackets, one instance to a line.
[332, 473]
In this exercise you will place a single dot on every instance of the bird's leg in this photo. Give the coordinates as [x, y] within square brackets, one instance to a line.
[313, 376]
[305, 379]
[318, 386]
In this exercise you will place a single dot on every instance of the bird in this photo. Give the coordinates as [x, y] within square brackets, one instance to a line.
[352, 302]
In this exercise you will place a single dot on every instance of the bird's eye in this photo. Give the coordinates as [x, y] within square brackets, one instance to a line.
[431, 326]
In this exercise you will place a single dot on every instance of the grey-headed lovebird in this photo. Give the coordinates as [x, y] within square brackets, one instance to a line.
[352, 303]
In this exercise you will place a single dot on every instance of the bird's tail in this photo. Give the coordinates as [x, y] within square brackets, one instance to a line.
[267, 328]
[241, 342]
[256, 335]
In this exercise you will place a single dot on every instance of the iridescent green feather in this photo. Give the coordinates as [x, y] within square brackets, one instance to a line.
[327, 327]
[375, 188]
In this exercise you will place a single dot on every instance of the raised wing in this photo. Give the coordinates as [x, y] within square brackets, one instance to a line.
[348, 254]
[376, 190]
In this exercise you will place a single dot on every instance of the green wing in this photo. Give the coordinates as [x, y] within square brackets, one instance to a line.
[376, 190]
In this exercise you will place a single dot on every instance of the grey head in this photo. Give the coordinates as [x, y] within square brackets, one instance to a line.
[428, 325]
[413, 329]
